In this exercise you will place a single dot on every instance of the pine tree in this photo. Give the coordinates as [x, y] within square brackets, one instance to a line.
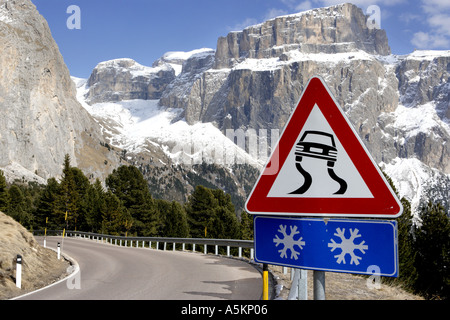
[45, 207]
[129, 185]
[225, 225]
[113, 215]
[4, 196]
[17, 208]
[432, 248]
[67, 200]
[81, 185]
[173, 219]
[246, 226]
[226, 222]
[407, 271]
[200, 211]
[96, 207]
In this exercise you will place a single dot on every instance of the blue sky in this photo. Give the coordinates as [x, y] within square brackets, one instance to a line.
[145, 29]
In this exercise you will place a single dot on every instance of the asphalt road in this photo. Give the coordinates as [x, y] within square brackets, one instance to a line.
[110, 272]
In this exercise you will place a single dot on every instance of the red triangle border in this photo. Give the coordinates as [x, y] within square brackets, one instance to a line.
[384, 202]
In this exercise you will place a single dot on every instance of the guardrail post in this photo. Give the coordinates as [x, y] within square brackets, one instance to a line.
[217, 250]
[165, 244]
[193, 247]
[205, 249]
[228, 251]
[251, 254]
[240, 252]
[19, 271]
[183, 246]
[173, 249]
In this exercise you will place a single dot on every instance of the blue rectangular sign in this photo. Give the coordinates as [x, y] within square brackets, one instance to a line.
[337, 245]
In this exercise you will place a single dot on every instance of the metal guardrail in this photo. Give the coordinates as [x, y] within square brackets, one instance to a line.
[128, 241]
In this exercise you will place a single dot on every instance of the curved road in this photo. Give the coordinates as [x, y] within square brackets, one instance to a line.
[117, 273]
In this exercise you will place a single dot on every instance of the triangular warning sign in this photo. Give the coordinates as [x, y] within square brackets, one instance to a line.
[320, 167]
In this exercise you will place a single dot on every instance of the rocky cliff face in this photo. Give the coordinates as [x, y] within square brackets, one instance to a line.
[125, 79]
[41, 119]
[327, 30]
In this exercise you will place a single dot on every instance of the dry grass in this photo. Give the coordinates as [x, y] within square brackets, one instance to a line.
[40, 266]
[343, 286]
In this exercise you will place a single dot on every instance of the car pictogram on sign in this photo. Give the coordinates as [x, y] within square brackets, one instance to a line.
[314, 144]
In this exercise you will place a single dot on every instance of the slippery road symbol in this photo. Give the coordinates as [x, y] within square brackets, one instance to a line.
[319, 145]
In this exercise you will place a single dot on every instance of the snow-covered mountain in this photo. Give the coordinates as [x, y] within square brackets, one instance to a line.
[133, 125]
[398, 104]
[192, 116]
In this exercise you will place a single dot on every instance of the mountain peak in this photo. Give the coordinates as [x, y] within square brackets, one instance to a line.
[335, 29]
[126, 79]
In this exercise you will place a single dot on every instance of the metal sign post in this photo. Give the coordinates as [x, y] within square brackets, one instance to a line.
[319, 285]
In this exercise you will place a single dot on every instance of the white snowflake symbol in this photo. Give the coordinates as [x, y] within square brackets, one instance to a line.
[348, 246]
[289, 242]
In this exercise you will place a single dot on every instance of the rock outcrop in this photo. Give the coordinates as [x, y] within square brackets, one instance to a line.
[335, 29]
[125, 79]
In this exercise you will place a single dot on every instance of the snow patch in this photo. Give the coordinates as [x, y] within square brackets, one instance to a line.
[5, 15]
[129, 65]
[297, 56]
[137, 122]
[183, 55]
[419, 119]
[427, 55]
[412, 179]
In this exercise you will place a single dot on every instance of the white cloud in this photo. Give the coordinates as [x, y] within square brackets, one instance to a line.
[440, 22]
[408, 17]
[424, 40]
[363, 4]
[273, 13]
[304, 6]
[244, 24]
[436, 5]
[437, 18]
